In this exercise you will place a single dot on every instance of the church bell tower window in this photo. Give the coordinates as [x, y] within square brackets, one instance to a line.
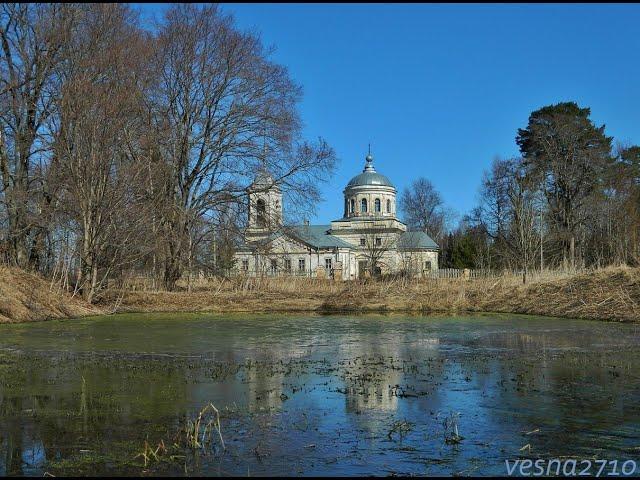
[261, 213]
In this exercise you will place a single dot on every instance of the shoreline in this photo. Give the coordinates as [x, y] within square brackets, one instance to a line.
[610, 294]
[320, 313]
[313, 313]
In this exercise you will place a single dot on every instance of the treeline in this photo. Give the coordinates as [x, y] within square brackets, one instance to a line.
[126, 149]
[131, 150]
[571, 200]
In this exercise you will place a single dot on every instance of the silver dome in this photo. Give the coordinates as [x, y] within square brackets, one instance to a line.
[369, 176]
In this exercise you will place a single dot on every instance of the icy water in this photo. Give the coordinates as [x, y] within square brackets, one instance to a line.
[316, 395]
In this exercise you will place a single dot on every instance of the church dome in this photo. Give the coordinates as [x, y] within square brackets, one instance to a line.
[369, 195]
[369, 176]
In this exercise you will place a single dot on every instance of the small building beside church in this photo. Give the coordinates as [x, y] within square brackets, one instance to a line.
[369, 239]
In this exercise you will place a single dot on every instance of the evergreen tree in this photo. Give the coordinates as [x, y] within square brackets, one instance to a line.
[568, 156]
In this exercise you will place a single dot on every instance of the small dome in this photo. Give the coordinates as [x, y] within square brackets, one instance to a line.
[369, 176]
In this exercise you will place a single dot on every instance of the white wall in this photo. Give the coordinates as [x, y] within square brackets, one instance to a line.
[284, 248]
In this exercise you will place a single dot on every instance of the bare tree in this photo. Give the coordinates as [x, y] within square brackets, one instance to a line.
[424, 209]
[627, 181]
[613, 230]
[508, 213]
[99, 112]
[32, 37]
[219, 104]
[375, 251]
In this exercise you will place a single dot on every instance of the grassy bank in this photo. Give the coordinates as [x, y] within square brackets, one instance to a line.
[25, 297]
[606, 294]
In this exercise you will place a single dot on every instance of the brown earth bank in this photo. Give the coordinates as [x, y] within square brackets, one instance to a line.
[25, 297]
[606, 294]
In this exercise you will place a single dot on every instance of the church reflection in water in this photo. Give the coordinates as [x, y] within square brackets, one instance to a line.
[320, 396]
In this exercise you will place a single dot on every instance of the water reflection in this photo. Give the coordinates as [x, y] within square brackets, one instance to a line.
[317, 395]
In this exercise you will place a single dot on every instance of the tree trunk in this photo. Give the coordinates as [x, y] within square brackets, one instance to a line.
[190, 264]
[172, 272]
[17, 234]
[89, 263]
[572, 252]
[89, 280]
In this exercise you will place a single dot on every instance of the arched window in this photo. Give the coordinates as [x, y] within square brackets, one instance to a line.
[261, 213]
[363, 205]
[353, 205]
[388, 206]
[378, 205]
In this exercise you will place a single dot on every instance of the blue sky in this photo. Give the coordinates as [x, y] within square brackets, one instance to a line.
[440, 90]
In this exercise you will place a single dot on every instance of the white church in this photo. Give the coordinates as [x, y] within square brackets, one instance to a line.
[368, 240]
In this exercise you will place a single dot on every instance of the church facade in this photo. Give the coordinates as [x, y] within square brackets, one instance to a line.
[368, 240]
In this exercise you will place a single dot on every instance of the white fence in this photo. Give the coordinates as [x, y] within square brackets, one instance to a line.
[459, 273]
[444, 273]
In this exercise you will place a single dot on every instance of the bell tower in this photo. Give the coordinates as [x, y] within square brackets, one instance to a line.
[265, 206]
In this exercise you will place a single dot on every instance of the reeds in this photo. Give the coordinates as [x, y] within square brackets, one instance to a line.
[198, 432]
[607, 294]
[451, 434]
[611, 293]
[401, 428]
[149, 454]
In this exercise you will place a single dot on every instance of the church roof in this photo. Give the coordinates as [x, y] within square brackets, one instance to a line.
[317, 236]
[416, 241]
[369, 176]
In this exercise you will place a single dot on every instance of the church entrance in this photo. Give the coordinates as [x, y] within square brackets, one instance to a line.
[363, 270]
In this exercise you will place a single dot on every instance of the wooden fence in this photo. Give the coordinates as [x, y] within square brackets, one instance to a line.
[144, 281]
[466, 273]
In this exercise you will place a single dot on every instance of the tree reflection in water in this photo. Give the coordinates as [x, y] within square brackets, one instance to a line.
[316, 395]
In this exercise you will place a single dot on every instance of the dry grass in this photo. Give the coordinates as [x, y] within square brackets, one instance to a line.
[606, 294]
[25, 297]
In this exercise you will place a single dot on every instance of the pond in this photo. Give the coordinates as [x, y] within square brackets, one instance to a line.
[314, 395]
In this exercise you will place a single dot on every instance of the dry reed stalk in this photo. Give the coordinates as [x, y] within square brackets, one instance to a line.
[149, 452]
[197, 439]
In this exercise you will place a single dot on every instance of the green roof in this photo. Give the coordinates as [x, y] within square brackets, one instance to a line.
[416, 240]
[317, 236]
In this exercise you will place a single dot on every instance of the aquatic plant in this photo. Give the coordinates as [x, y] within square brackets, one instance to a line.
[199, 431]
[450, 424]
[401, 427]
[149, 453]
[197, 434]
